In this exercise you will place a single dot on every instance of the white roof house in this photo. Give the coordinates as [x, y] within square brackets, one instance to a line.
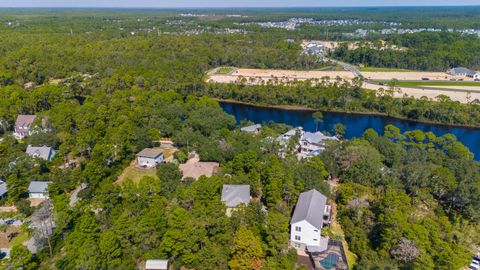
[156, 265]
[461, 71]
[43, 152]
[150, 157]
[234, 195]
[252, 129]
[310, 215]
[284, 138]
[38, 189]
[313, 143]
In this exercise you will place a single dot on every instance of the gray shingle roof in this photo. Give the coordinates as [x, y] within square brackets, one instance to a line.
[233, 195]
[24, 120]
[38, 187]
[43, 152]
[150, 152]
[310, 207]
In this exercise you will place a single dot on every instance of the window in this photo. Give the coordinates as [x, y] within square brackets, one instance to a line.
[297, 245]
[315, 230]
[315, 239]
[297, 237]
[298, 229]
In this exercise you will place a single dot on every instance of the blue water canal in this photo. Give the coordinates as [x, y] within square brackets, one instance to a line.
[355, 124]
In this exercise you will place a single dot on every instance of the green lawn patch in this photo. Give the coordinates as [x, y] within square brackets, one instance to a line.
[223, 70]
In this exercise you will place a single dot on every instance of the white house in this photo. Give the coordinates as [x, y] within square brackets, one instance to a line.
[43, 152]
[150, 157]
[156, 265]
[312, 144]
[464, 72]
[255, 129]
[23, 126]
[310, 215]
[38, 190]
[234, 195]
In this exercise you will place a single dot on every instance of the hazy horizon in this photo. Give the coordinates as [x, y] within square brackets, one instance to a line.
[225, 3]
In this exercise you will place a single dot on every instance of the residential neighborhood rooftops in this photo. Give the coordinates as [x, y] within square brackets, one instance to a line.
[43, 152]
[252, 128]
[310, 207]
[156, 265]
[150, 152]
[24, 120]
[233, 195]
[38, 186]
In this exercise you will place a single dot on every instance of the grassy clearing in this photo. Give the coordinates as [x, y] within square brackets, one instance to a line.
[377, 69]
[427, 83]
[136, 174]
[223, 70]
[19, 239]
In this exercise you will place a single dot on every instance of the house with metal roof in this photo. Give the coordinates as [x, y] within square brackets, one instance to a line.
[235, 195]
[313, 143]
[156, 265]
[464, 72]
[311, 214]
[23, 126]
[43, 152]
[255, 129]
[38, 190]
[149, 157]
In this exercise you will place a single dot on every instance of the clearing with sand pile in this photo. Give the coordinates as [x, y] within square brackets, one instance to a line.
[464, 94]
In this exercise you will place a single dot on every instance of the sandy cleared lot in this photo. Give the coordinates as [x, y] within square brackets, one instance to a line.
[455, 87]
[407, 76]
[429, 93]
[257, 76]
[291, 74]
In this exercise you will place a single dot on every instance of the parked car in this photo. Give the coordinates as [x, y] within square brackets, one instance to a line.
[425, 79]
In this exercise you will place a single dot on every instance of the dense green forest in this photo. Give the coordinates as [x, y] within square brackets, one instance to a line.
[404, 201]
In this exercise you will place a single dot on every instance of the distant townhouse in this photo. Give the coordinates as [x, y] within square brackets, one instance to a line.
[311, 214]
[150, 157]
[38, 190]
[464, 72]
[235, 195]
[313, 143]
[156, 265]
[23, 126]
[254, 129]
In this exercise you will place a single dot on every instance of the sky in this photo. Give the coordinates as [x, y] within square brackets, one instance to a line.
[228, 3]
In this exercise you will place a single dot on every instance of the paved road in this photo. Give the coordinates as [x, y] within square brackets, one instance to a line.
[346, 66]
